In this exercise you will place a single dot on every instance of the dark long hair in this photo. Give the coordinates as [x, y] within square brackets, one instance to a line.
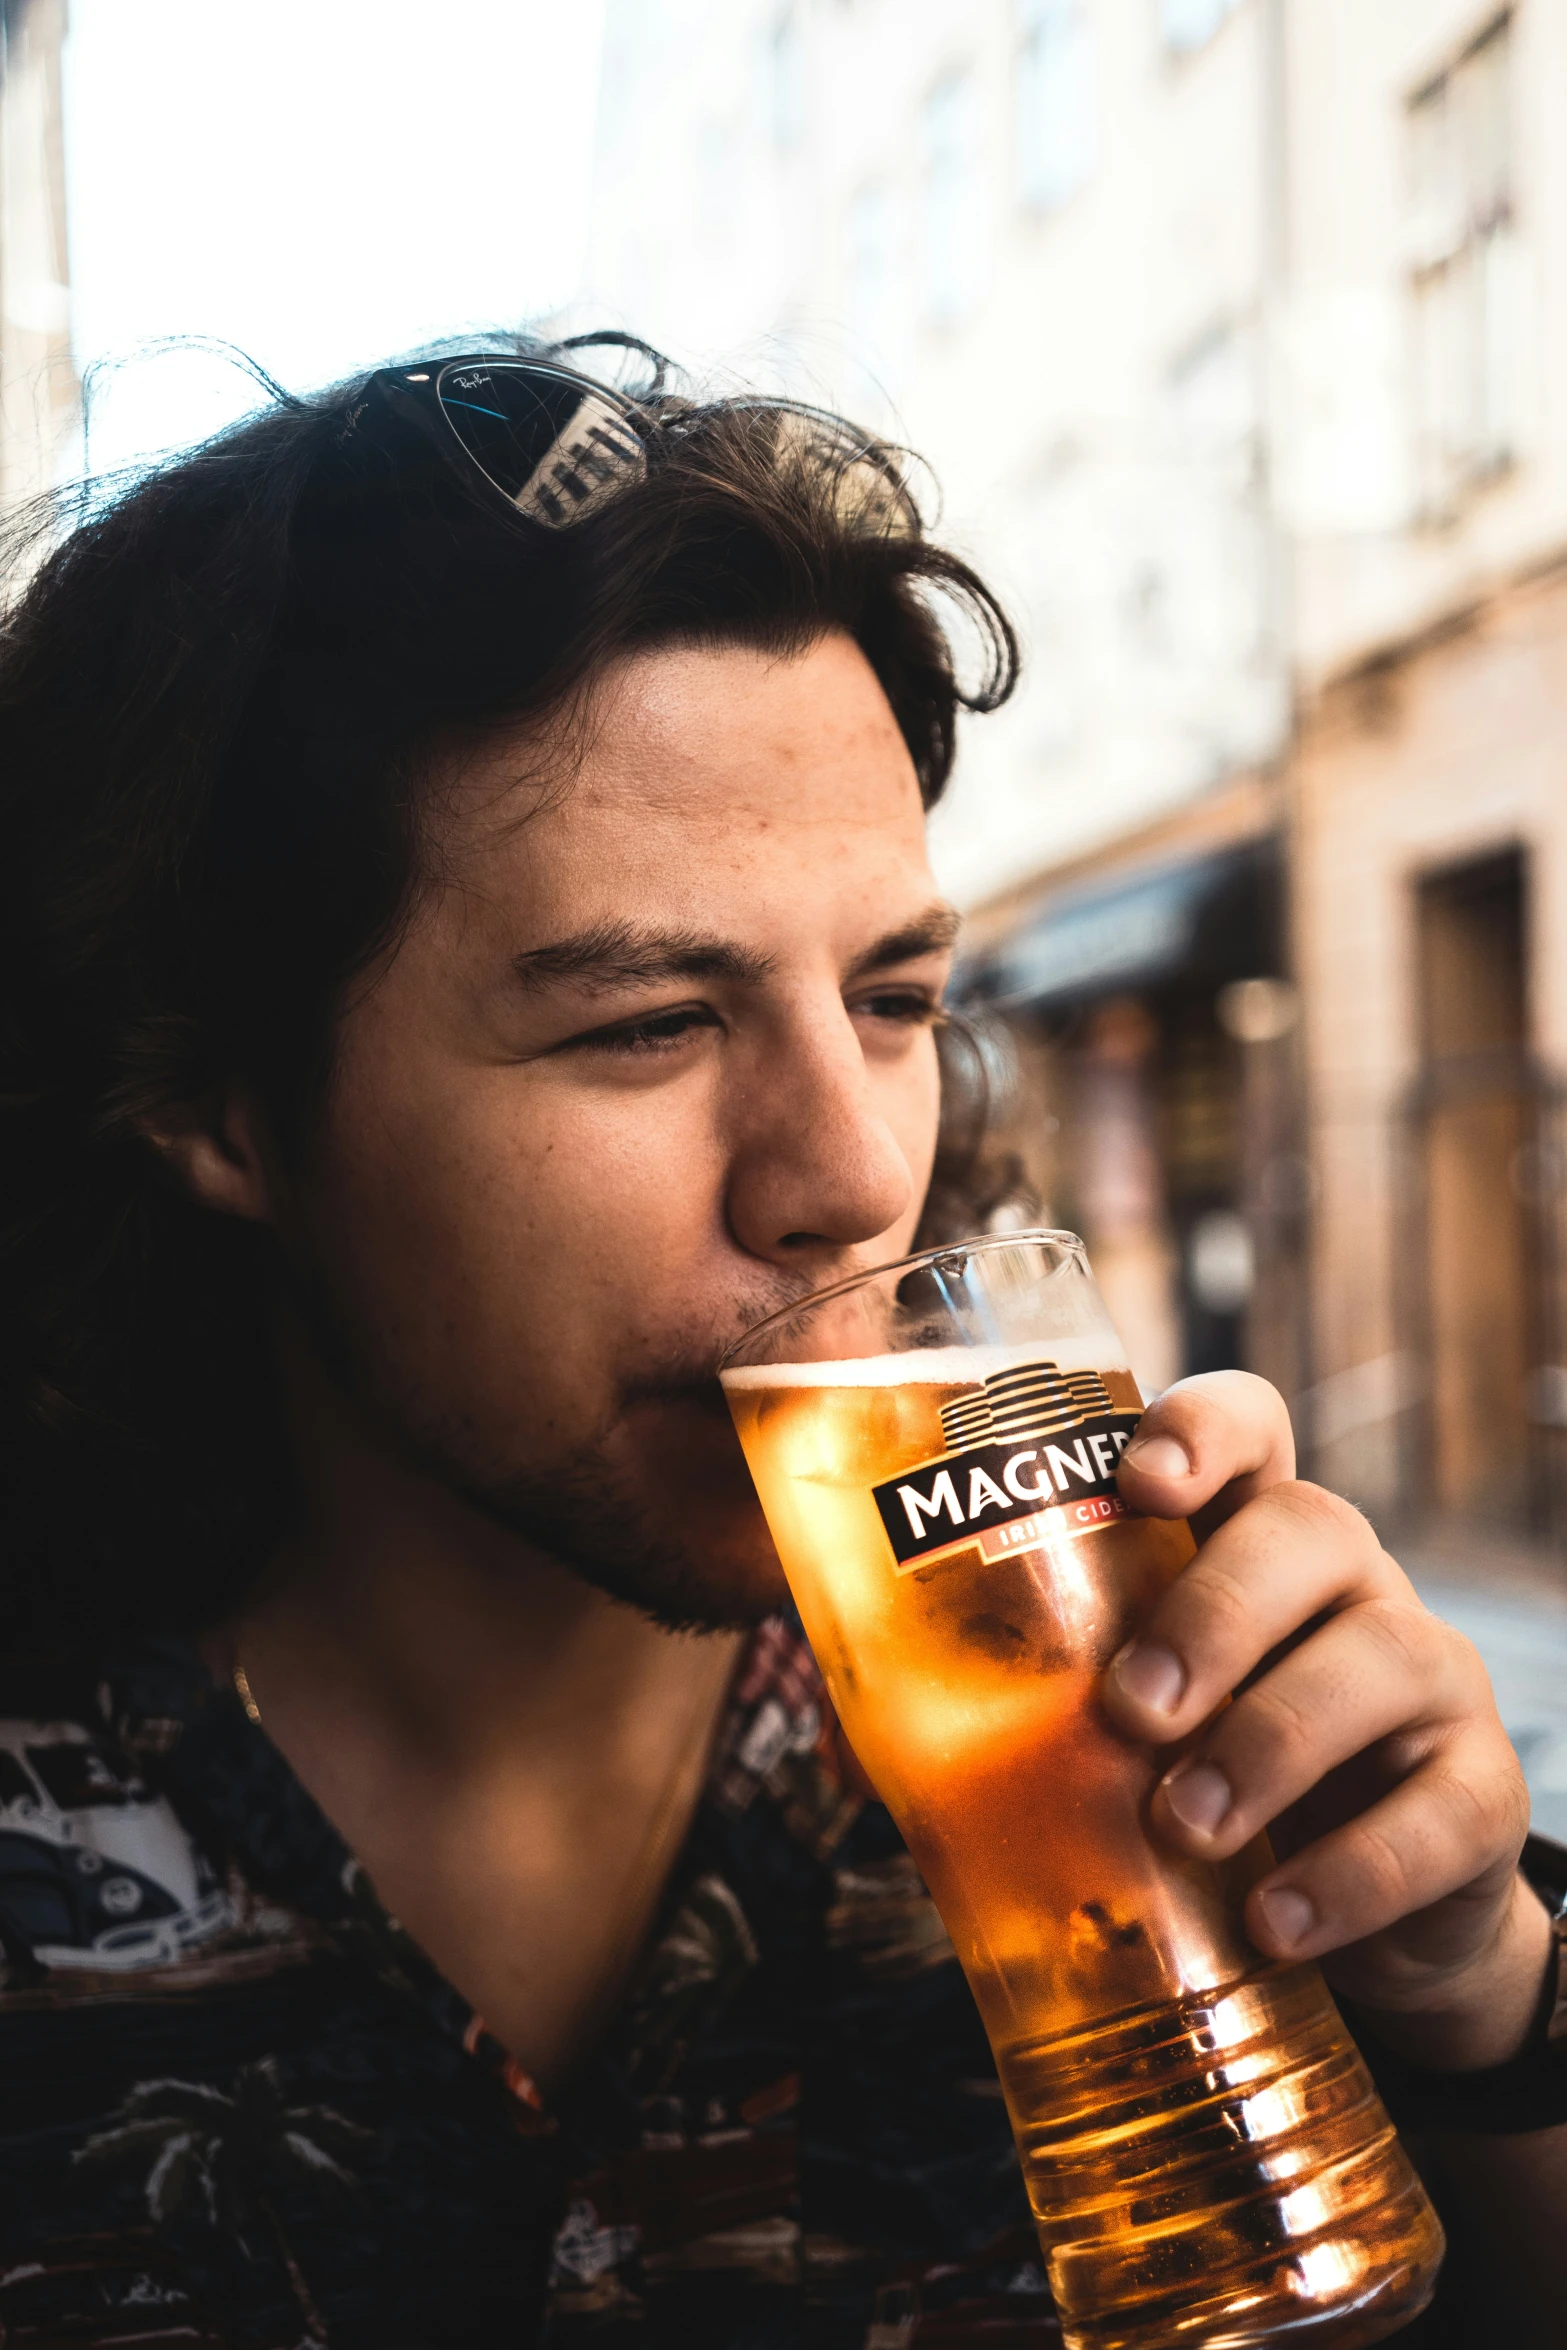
[222, 694]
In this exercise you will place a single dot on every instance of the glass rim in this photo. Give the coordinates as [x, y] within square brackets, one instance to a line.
[981, 1245]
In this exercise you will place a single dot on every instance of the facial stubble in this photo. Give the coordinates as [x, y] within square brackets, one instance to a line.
[693, 1557]
[688, 1549]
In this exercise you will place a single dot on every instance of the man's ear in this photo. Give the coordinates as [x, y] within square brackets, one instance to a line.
[219, 1151]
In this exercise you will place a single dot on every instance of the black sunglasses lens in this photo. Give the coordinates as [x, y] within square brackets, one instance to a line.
[551, 444]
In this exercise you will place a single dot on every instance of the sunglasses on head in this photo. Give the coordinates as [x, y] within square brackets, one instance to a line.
[556, 444]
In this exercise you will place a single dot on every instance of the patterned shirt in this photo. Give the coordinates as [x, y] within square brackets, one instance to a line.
[239, 2107]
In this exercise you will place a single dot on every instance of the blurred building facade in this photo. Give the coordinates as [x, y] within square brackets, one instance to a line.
[1035, 239]
[1426, 416]
[38, 388]
[1236, 333]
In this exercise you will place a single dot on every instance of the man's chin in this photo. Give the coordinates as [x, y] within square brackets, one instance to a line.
[684, 1594]
[657, 1510]
[726, 1586]
[662, 1517]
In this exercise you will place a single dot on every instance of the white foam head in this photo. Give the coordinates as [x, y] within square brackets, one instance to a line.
[933, 1366]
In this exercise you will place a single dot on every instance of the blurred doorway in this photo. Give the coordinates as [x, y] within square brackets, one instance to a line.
[1156, 1105]
[1472, 1275]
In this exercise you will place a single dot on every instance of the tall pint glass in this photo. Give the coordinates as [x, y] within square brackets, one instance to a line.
[935, 1447]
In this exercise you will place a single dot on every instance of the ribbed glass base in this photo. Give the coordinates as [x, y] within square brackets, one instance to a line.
[1220, 2170]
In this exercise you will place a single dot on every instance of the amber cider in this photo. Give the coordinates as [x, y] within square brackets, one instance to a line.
[1205, 2154]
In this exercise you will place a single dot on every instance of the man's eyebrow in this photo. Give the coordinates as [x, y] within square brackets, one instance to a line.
[930, 933]
[611, 955]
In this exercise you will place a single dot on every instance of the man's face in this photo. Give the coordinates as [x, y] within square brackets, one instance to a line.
[654, 1057]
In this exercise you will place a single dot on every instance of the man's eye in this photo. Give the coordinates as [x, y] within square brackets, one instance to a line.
[911, 1007]
[657, 1033]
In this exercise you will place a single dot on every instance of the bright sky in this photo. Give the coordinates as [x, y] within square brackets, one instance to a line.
[324, 182]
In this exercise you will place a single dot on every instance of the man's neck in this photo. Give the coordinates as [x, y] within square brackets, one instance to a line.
[401, 1601]
[512, 1754]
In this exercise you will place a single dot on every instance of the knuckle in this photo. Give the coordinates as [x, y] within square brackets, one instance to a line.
[1382, 1869]
[1262, 1787]
[1467, 1666]
[1448, 1675]
[1263, 1406]
[1406, 1636]
[1514, 1810]
[1273, 1729]
[1216, 1609]
[1459, 1668]
[1486, 1799]
[1463, 1650]
[1468, 1806]
[1325, 1516]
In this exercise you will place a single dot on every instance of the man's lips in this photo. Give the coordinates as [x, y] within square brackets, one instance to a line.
[686, 1378]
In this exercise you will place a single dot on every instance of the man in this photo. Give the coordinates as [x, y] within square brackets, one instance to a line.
[470, 953]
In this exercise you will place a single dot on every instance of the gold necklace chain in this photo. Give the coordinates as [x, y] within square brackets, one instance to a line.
[244, 1692]
[691, 1756]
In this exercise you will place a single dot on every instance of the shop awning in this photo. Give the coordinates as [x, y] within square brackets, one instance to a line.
[1209, 918]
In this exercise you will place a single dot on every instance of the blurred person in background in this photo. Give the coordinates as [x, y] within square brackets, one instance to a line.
[469, 953]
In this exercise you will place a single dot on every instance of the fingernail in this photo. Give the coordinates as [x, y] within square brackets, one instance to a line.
[1199, 1795]
[1290, 1914]
[1151, 1675]
[1160, 1456]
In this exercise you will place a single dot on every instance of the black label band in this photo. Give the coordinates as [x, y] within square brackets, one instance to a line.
[993, 1494]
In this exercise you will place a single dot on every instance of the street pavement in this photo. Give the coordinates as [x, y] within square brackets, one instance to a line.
[1511, 1601]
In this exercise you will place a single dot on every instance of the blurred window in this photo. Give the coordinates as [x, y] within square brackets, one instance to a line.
[876, 283]
[1211, 548]
[786, 79]
[953, 226]
[1057, 101]
[1191, 24]
[1464, 262]
[1211, 395]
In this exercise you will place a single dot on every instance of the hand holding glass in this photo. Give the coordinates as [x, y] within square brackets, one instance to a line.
[935, 1447]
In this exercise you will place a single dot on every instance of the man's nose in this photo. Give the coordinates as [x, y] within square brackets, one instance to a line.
[815, 1167]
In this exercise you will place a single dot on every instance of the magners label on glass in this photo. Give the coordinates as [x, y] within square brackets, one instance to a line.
[1032, 1455]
